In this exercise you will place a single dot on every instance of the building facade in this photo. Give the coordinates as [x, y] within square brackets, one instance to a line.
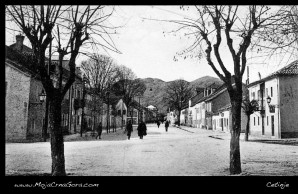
[278, 118]
[219, 111]
[17, 88]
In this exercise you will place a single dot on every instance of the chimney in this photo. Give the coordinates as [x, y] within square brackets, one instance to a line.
[19, 42]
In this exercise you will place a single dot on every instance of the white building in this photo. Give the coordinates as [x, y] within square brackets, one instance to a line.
[277, 119]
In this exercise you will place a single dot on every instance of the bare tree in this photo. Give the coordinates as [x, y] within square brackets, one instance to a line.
[178, 93]
[128, 86]
[240, 27]
[101, 72]
[69, 28]
[249, 108]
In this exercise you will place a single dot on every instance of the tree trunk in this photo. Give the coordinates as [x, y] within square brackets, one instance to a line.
[57, 145]
[179, 117]
[235, 162]
[247, 128]
[122, 119]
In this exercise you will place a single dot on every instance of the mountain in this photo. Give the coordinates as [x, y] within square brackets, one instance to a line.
[155, 90]
[206, 81]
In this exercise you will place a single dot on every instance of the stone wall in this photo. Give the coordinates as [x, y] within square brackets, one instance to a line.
[16, 103]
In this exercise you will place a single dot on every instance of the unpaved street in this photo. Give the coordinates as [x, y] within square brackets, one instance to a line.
[188, 152]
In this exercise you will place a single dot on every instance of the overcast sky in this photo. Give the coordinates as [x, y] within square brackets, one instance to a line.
[148, 49]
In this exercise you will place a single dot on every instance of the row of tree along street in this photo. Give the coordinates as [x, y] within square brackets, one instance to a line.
[74, 29]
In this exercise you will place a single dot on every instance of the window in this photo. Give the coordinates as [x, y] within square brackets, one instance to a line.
[266, 91]
[271, 92]
[259, 94]
[33, 124]
[267, 121]
[119, 112]
[254, 121]
[124, 112]
[253, 95]
[66, 120]
[79, 94]
[62, 120]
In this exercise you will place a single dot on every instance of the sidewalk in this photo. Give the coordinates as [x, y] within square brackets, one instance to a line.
[227, 136]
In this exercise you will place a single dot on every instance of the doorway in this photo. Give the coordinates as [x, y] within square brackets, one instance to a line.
[272, 125]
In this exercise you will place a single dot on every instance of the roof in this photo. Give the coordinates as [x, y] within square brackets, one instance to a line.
[24, 49]
[226, 107]
[220, 90]
[196, 98]
[199, 97]
[291, 69]
[19, 67]
[23, 60]
[18, 60]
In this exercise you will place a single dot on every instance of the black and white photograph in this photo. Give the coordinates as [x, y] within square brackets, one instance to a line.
[151, 91]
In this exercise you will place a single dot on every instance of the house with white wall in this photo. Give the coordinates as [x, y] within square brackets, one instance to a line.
[277, 97]
[218, 111]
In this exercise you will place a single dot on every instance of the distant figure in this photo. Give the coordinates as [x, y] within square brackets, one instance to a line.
[142, 129]
[99, 130]
[129, 129]
[158, 123]
[166, 125]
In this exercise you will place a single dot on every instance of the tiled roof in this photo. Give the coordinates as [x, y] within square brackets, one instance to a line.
[200, 96]
[18, 60]
[22, 59]
[291, 69]
[196, 98]
[24, 49]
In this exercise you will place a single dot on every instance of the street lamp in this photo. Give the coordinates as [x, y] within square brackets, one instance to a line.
[268, 100]
[42, 96]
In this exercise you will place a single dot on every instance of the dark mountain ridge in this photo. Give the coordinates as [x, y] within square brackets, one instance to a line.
[155, 90]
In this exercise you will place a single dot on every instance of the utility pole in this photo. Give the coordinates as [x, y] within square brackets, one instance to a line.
[46, 119]
[122, 114]
[139, 110]
[83, 105]
[108, 109]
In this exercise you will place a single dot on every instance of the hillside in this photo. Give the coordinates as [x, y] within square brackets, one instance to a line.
[157, 87]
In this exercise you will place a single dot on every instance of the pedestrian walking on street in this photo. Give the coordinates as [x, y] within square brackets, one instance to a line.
[158, 123]
[166, 125]
[129, 129]
[142, 129]
[99, 130]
